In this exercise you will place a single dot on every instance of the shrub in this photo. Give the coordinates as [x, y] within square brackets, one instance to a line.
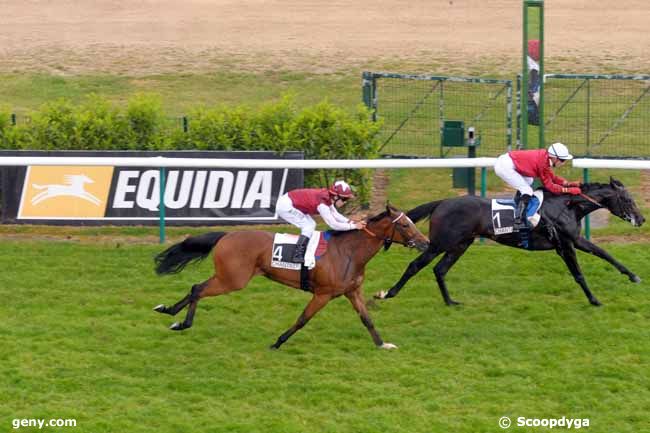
[5, 127]
[145, 119]
[52, 127]
[328, 132]
[322, 131]
[99, 126]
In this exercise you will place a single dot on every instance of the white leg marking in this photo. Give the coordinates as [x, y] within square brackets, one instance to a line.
[388, 346]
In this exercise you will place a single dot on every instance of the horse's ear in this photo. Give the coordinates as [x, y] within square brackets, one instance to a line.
[388, 206]
[615, 183]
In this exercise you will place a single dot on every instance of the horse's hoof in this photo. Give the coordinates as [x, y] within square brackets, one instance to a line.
[160, 308]
[451, 303]
[388, 346]
[176, 327]
[635, 279]
[380, 295]
[595, 303]
[273, 347]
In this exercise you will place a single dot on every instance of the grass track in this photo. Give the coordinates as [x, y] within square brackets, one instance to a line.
[80, 341]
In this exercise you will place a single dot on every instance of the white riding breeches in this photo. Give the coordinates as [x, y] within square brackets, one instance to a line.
[286, 211]
[504, 167]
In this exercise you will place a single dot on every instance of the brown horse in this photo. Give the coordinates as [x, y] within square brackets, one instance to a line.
[240, 255]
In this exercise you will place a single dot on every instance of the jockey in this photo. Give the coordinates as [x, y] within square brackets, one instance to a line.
[519, 168]
[297, 206]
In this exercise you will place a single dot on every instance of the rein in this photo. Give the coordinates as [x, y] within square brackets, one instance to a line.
[586, 197]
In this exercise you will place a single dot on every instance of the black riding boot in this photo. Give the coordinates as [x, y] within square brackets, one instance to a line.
[521, 221]
[301, 248]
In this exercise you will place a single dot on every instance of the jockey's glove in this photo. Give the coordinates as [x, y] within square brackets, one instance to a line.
[572, 190]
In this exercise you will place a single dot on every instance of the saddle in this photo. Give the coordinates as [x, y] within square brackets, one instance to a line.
[503, 215]
[283, 249]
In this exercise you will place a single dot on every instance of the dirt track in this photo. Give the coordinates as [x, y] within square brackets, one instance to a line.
[146, 37]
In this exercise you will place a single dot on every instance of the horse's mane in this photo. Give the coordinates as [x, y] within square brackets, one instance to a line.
[378, 217]
[586, 187]
[336, 233]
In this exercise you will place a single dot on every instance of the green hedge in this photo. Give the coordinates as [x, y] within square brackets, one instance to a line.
[322, 131]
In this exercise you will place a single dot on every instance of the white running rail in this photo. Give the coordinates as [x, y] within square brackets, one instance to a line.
[162, 162]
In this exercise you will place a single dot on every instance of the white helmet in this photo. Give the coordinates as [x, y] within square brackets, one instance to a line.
[559, 151]
[342, 189]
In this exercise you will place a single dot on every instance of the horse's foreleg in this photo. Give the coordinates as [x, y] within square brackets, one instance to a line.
[584, 245]
[444, 265]
[316, 303]
[356, 298]
[413, 268]
[568, 254]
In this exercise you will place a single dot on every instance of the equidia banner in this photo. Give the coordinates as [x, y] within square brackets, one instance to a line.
[130, 195]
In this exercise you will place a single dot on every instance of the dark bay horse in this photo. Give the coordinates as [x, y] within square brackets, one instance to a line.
[456, 222]
[240, 255]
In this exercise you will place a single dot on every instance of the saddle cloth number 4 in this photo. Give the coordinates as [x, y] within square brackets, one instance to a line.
[277, 253]
[284, 246]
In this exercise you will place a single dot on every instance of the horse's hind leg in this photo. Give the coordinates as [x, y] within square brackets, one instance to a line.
[174, 309]
[192, 299]
[212, 287]
[315, 305]
[413, 268]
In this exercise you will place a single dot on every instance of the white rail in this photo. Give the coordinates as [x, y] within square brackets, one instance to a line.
[165, 162]
[160, 162]
[612, 163]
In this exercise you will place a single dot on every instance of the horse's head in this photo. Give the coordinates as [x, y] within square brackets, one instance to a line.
[619, 202]
[394, 226]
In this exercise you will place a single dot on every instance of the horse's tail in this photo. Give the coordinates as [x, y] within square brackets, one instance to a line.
[195, 248]
[423, 211]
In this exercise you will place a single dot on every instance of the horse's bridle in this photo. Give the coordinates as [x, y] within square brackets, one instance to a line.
[621, 204]
[390, 240]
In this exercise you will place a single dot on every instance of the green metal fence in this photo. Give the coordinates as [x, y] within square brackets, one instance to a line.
[599, 115]
[414, 107]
